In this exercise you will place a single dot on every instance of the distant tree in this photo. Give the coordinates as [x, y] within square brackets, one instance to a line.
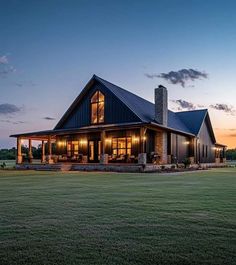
[231, 154]
[9, 154]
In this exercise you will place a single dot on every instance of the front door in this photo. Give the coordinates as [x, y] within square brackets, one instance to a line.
[94, 151]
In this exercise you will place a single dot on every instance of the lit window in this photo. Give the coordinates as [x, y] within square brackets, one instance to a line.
[97, 107]
[121, 146]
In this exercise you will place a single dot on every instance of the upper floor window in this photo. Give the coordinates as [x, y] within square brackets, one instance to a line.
[97, 107]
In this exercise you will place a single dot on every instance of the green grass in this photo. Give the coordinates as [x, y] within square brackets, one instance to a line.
[9, 163]
[111, 218]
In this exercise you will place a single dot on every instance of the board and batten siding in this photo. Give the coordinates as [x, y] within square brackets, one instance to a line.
[205, 141]
[179, 147]
[115, 110]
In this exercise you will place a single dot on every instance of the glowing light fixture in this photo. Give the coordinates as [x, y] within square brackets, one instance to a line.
[135, 139]
[83, 141]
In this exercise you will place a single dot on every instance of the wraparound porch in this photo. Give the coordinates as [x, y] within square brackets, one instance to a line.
[122, 145]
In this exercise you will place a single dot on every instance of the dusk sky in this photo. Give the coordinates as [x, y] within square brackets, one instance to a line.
[50, 49]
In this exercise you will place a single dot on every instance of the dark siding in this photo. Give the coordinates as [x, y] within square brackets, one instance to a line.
[115, 110]
[205, 140]
[179, 147]
[125, 133]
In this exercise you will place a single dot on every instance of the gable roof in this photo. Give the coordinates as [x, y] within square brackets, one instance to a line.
[193, 119]
[188, 122]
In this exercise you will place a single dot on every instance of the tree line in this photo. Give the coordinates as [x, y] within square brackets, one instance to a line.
[10, 154]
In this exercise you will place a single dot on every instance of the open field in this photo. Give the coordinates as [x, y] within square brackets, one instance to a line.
[111, 218]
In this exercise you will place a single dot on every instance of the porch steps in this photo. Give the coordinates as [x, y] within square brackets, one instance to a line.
[66, 167]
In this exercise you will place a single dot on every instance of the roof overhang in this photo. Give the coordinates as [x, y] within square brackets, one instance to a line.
[43, 135]
[171, 129]
[220, 145]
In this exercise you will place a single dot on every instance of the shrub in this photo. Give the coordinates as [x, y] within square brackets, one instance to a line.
[186, 162]
[3, 165]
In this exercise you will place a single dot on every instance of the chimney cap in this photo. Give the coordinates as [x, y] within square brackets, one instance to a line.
[161, 86]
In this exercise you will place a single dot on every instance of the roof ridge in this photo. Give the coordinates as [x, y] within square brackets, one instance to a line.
[124, 89]
[191, 110]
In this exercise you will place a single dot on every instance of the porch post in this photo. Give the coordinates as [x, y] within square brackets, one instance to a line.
[161, 146]
[43, 152]
[142, 157]
[30, 155]
[103, 156]
[19, 155]
[49, 158]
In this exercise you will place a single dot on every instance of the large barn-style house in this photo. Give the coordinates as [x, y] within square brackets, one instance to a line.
[109, 125]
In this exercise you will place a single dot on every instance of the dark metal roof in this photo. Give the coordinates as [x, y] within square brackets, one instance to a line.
[145, 109]
[193, 119]
[84, 129]
[187, 122]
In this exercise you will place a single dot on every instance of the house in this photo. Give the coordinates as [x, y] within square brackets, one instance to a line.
[108, 124]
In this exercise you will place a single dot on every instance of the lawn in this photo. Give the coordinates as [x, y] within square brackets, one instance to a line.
[110, 218]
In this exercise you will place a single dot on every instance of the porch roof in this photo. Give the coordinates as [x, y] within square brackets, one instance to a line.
[43, 135]
[220, 145]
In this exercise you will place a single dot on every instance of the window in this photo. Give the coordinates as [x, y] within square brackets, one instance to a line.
[206, 150]
[203, 150]
[121, 146]
[72, 148]
[97, 108]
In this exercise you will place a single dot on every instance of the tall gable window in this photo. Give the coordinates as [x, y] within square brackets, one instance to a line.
[97, 108]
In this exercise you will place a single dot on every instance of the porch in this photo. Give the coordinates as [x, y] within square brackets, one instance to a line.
[122, 145]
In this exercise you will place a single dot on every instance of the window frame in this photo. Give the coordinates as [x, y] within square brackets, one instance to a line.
[128, 139]
[96, 103]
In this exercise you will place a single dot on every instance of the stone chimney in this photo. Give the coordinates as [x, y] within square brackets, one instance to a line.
[161, 105]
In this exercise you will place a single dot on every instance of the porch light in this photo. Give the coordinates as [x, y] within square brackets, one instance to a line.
[61, 143]
[135, 139]
[108, 140]
[187, 142]
[144, 138]
[84, 141]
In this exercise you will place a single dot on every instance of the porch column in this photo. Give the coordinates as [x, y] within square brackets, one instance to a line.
[30, 155]
[161, 146]
[49, 158]
[43, 152]
[19, 155]
[142, 157]
[103, 155]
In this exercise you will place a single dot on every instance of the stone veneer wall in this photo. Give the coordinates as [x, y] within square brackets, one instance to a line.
[161, 146]
[161, 105]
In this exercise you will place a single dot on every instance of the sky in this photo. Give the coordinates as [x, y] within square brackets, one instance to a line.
[50, 49]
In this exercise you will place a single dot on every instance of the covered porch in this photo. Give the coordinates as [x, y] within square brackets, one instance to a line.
[128, 144]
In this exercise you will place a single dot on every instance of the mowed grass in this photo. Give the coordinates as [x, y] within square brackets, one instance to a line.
[111, 218]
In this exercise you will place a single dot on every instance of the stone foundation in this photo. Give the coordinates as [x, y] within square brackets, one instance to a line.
[191, 158]
[104, 159]
[142, 159]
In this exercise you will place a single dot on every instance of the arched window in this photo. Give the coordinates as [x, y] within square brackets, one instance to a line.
[97, 108]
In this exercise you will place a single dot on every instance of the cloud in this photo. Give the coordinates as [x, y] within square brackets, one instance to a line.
[183, 104]
[5, 67]
[179, 77]
[225, 108]
[12, 122]
[3, 59]
[49, 118]
[151, 76]
[8, 109]
[19, 84]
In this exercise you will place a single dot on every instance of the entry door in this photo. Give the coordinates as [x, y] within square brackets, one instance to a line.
[94, 151]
